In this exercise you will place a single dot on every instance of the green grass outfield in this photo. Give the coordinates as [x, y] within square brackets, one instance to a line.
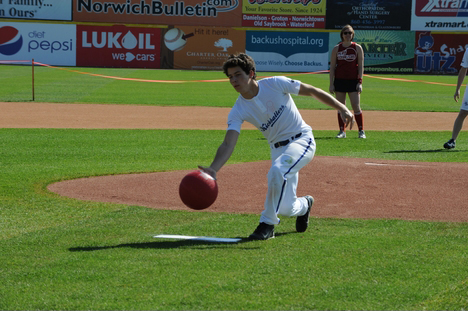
[67, 85]
[63, 254]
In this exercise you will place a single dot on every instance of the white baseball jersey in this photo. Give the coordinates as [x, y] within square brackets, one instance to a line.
[464, 64]
[272, 111]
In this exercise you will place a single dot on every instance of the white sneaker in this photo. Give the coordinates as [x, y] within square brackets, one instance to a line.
[362, 134]
[341, 134]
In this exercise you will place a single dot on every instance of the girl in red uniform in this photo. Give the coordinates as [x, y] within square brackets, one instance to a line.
[346, 71]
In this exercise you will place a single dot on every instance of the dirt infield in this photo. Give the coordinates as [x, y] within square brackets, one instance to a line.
[342, 187]
[43, 115]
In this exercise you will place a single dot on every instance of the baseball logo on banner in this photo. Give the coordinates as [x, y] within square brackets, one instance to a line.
[175, 39]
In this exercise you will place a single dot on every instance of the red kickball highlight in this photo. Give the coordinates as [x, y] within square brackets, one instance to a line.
[198, 190]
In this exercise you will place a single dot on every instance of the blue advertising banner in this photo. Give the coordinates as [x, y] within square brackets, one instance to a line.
[288, 51]
[60, 10]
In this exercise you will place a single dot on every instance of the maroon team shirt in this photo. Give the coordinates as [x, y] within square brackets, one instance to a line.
[347, 62]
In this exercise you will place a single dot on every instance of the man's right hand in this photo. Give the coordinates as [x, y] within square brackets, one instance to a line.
[347, 118]
[457, 95]
[208, 170]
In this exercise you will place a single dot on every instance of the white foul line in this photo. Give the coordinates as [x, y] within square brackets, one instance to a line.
[386, 164]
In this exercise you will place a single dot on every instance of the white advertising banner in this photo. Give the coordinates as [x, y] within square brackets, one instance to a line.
[37, 9]
[45, 43]
[435, 15]
[288, 51]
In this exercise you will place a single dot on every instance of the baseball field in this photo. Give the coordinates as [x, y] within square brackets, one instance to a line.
[88, 172]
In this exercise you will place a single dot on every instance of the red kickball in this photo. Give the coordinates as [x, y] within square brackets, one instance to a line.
[198, 190]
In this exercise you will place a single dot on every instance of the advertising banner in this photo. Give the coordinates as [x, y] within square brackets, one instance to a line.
[45, 43]
[160, 12]
[384, 51]
[39, 9]
[439, 53]
[288, 51]
[371, 14]
[284, 14]
[200, 48]
[432, 15]
[118, 46]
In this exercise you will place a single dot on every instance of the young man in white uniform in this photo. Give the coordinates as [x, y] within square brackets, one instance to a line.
[268, 105]
[458, 124]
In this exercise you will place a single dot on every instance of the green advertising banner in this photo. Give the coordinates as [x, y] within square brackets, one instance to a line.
[384, 51]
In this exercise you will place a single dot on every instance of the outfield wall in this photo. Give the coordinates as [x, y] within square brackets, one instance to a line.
[398, 36]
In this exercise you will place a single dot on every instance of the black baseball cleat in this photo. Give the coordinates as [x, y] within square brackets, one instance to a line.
[302, 222]
[450, 144]
[263, 232]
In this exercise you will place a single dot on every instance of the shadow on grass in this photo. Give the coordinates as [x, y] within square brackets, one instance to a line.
[424, 151]
[326, 138]
[172, 244]
[316, 138]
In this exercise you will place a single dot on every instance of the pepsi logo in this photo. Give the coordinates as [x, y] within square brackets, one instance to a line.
[11, 40]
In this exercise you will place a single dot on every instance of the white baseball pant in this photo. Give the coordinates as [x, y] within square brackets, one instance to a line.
[464, 105]
[283, 177]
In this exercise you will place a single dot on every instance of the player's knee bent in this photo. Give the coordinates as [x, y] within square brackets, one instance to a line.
[275, 176]
[290, 208]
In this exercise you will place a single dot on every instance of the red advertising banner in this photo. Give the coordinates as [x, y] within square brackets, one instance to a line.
[437, 53]
[441, 8]
[168, 12]
[118, 46]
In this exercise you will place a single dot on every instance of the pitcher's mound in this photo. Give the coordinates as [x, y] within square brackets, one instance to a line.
[342, 187]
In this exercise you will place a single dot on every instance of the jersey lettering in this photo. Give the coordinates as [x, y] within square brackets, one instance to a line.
[271, 122]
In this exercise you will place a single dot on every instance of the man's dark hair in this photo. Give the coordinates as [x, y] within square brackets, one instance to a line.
[244, 61]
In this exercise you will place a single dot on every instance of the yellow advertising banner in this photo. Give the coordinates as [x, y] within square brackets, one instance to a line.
[284, 13]
[201, 48]
[285, 7]
[159, 12]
